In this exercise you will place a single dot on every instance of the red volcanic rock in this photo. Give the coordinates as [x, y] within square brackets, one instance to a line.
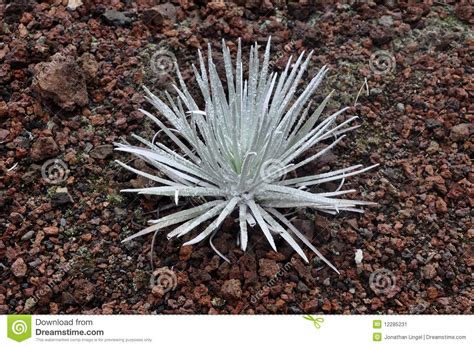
[62, 81]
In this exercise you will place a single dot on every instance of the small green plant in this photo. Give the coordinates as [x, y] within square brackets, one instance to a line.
[236, 152]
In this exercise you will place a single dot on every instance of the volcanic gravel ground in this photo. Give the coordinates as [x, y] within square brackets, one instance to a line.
[71, 85]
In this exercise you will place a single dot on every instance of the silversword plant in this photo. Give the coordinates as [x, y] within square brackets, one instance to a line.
[235, 154]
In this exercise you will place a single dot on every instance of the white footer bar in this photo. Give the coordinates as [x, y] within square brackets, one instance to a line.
[209, 331]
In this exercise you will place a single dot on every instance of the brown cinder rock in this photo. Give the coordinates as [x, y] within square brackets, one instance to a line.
[460, 132]
[89, 65]
[43, 148]
[61, 80]
[231, 290]
[19, 268]
[268, 268]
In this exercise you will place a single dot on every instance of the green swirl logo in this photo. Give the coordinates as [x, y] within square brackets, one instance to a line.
[19, 327]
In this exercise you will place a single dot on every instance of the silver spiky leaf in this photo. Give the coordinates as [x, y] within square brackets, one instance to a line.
[236, 152]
